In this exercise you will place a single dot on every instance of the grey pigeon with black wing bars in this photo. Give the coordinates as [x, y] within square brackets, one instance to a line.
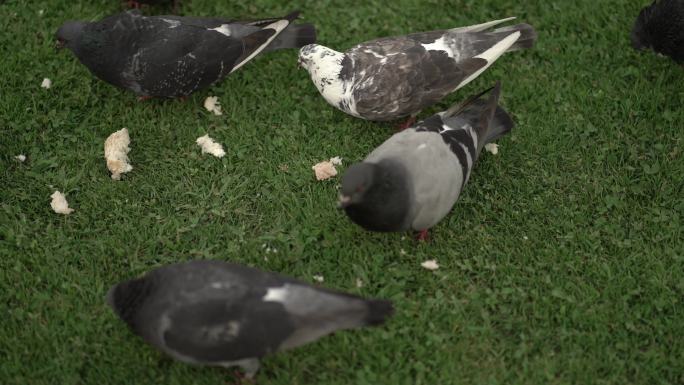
[413, 179]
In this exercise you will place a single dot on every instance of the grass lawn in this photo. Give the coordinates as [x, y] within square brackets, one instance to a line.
[563, 261]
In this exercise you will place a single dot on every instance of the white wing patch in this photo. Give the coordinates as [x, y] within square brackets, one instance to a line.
[172, 23]
[439, 45]
[276, 294]
[492, 54]
[279, 26]
[223, 29]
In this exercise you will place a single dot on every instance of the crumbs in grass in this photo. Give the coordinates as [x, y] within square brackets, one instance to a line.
[116, 153]
[47, 83]
[430, 264]
[318, 278]
[326, 169]
[209, 146]
[59, 204]
[21, 158]
[212, 105]
[492, 148]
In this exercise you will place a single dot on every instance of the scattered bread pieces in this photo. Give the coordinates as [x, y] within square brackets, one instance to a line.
[318, 278]
[59, 204]
[20, 157]
[326, 169]
[210, 146]
[492, 148]
[116, 153]
[359, 283]
[430, 264]
[212, 104]
[47, 83]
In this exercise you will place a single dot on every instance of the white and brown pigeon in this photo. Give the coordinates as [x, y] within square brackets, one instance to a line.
[395, 77]
[173, 56]
[223, 314]
[413, 179]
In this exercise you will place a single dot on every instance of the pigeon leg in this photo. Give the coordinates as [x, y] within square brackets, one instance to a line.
[408, 123]
[423, 235]
[249, 366]
[143, 98]
[242, 379]
[133, 4]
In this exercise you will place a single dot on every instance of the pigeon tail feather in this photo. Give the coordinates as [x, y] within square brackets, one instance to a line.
[378, 311]
[294, 36]
[528, 36]
[494, 120]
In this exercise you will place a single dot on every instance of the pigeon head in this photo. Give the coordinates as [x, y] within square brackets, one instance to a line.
[69, 34]
[327, 69]
[376, 196]
[127, 298]
[356, 182]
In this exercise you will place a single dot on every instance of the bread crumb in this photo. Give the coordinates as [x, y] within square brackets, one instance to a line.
[116, 153]
[318, 278]
[212, 104]
[47, 83]
[59, 204]
[337, 161]
[492, 148]
[210, 146]
[430, 264]
[20, 157]
[359, 283]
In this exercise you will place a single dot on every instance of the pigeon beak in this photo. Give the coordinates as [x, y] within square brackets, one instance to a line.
[343, 201]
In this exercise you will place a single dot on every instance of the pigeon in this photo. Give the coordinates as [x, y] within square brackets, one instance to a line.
[174, 56]
[660, 27]
[412, 180]
[394, 77]
[217, 313]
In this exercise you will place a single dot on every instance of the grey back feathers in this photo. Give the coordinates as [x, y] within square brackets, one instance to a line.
[434, 159]
[218, 313]
[393, 77]
[660, 27]
[173, 56]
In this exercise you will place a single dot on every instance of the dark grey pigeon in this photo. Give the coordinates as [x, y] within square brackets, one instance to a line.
[223, 314]
[413, 179]
[660, 27]
[173, 56]
[395, 77]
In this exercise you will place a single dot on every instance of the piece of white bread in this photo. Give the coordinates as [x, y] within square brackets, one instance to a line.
[116, 153]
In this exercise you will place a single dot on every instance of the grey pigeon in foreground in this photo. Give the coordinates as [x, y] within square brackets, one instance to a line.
[660, 27]
[173, 56]
[395, 77]
[413, 179]
[223, 314]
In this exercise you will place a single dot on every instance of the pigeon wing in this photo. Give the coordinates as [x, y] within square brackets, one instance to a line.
[400, 76]
[225, 328]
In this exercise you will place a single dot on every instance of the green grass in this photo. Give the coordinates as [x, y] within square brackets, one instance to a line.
[563, 261]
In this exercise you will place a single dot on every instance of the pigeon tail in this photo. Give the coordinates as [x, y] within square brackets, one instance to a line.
[378, 311]
[528, 36]
[489, 120]
[294, 36]
[494, 121]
